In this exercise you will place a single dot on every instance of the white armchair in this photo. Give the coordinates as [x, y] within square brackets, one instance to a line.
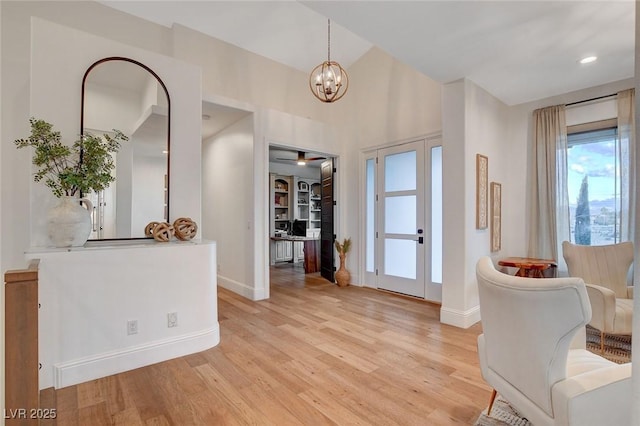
[529, 352]
[604, 269]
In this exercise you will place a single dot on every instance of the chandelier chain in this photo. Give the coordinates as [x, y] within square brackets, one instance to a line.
[328, 40]
[328, 81]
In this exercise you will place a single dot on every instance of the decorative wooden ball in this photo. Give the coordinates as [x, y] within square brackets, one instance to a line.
[185, 228]
[148, 230]
[163, 232]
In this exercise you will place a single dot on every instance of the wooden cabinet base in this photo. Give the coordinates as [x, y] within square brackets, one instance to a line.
[21, 347]
[311, 256]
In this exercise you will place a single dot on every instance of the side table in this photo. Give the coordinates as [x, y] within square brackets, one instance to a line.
[528, 266]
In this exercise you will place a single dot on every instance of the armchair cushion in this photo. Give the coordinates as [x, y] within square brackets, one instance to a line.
[624, 316]
[604, 270]
[527, 353]
[603, 306]
[607, 266]
[601, 396]
[536, 320]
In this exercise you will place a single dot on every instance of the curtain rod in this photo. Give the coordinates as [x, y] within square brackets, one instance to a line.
[592, 99]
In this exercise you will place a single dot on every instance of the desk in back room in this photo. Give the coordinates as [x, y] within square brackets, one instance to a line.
[311, 251]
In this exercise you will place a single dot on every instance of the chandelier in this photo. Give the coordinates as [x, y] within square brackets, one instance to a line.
[328, 81]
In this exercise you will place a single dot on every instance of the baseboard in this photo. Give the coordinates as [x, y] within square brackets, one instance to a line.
[461, 319]
[241, 288]
[106, 364]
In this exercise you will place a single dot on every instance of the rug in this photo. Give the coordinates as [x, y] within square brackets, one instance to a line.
[617, 349]
[502, 413]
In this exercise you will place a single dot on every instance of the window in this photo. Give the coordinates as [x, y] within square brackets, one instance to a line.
[594, 186]
[436, 214]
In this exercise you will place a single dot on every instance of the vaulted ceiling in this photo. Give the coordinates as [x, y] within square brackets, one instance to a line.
[519, 51]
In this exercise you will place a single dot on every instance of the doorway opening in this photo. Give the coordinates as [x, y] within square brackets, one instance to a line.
[302, 210]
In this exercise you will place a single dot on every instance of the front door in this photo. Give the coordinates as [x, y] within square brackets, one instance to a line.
[401, 219]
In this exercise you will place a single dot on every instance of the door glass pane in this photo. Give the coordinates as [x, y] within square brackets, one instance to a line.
[400, 258]
[370, 217]
[400, 215]
[400, 172]
[436, 214]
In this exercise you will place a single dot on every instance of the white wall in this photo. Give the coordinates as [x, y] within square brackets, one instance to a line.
[591, 111]
[387, 102]
[486, 132]
[44, 76]
[15, 75]
[151, 95]
[294, 170]
[278, 128]
[365, 117]
[107, 108]
[2, 263]
[227, 203]
[148, 193]
[124, 190]
[246, 77]
[474, 122]
[455, 228]
[285, 114]
[60, 48]
[89, 294]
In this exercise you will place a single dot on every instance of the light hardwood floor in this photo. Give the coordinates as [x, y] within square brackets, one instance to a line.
[313, 354]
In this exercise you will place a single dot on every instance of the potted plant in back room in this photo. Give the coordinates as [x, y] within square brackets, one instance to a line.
[70, 171]
[343, 276]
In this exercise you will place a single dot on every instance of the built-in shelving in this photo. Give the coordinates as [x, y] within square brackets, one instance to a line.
[307, 202]
[280, 216]
[281, 202]
[314, 205]
[292, 198]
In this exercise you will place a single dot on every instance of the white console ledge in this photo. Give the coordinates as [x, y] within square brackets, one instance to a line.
[90, 295]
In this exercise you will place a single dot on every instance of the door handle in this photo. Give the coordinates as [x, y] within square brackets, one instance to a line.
[420, 237]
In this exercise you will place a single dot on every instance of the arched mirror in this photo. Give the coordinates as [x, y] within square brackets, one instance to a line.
[123, 94]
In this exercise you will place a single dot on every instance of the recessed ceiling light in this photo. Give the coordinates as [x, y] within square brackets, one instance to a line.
[588, 59]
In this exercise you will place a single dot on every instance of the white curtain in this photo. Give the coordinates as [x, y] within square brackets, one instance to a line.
[549, 196]
[626, 154]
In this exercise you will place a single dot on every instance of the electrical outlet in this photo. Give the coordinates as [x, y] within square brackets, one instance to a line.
[132, 327]
[172, 319]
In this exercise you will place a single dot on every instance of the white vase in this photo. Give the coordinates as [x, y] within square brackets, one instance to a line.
[69, 223]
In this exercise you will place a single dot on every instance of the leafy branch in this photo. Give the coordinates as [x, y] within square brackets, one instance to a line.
[84, 166]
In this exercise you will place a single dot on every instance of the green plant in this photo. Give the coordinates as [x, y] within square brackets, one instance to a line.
[84, 166]
[344, 247]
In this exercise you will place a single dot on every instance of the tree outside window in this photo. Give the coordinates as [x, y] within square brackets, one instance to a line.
[593, 181]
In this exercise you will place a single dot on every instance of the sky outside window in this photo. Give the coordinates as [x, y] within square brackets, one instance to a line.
[594, 154]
